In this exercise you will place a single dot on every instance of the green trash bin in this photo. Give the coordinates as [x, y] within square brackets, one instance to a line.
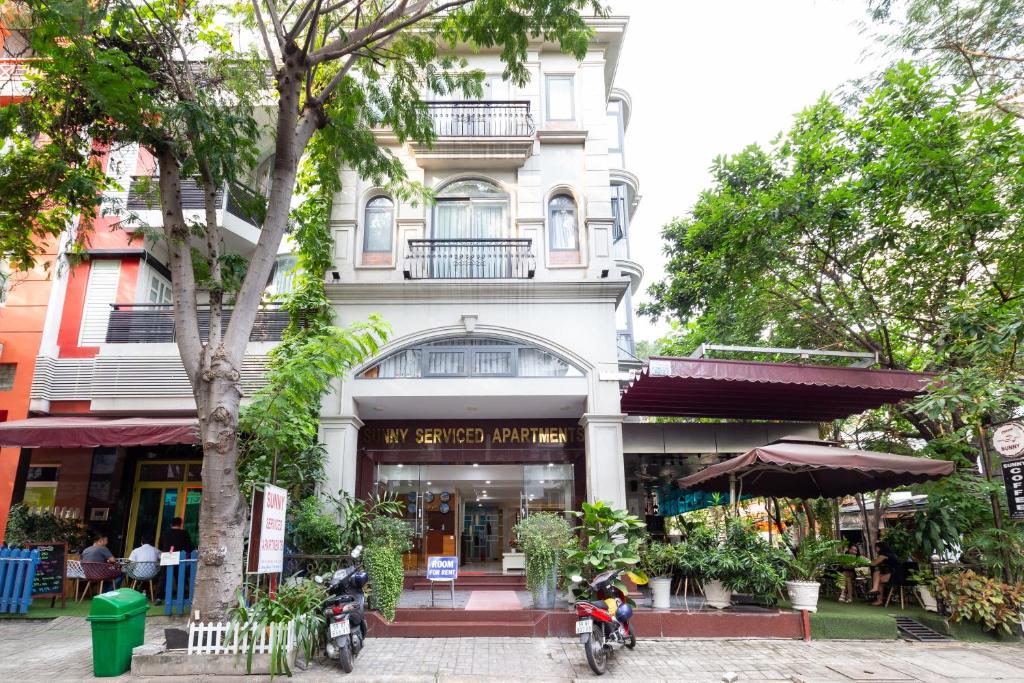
[118, 625]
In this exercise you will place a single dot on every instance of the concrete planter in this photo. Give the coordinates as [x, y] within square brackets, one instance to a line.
[545, 596]
[929, 601]
[717, 595]
[803, 594]
[661, 592]
[153, 661]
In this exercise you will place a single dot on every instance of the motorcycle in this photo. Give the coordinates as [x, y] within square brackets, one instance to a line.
[346, 627]
[602, 618]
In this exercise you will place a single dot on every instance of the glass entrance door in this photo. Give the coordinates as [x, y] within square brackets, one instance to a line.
[164, 490]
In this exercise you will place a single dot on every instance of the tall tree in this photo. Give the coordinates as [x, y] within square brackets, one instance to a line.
[980, 42]
[894, 226]
[168, 75]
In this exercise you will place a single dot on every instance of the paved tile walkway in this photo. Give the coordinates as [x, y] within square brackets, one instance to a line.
[60, 650]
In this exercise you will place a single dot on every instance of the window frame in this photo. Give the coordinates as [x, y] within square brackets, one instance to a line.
[551, 221]
[620, 211]
[469, 353]
[13, 367]
[366, 224]
[548, 79]
[472, 199]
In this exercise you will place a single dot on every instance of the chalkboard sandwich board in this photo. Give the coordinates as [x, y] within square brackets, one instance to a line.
[50, 572]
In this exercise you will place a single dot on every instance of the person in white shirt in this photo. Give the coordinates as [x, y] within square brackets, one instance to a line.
[145, 552]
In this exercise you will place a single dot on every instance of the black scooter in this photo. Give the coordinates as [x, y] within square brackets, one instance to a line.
[346, 627]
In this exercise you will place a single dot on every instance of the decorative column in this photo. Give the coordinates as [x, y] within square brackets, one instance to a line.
[606, 477]
[340, 435]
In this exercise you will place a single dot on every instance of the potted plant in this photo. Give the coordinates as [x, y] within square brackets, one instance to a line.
[924, 584]
[744, 563]
[657, 561]
[805, 568]
[543, 537]
[612, 540]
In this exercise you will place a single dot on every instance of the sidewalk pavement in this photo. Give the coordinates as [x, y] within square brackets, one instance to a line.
[61, 650]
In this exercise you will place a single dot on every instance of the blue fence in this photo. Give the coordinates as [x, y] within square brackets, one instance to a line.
[180, 584]
[17, 572]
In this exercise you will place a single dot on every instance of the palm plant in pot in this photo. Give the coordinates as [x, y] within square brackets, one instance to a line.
[543, 538]
[658, 561]
[804, 569]
[741, 563]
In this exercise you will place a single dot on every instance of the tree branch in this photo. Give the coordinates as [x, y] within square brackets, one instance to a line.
[261, 24]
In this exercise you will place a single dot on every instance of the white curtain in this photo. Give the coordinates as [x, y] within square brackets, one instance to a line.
[537, 363]
[563, 224]
[379, 219]
[401, 364]
[452, 220]
[492, 363]
[488, 219]
[446, 363]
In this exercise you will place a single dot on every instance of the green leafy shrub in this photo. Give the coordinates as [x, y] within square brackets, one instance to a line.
[388, 538]
[612, 539]
[544, 538]
[657, 559]
[990, 602]
[300, 602]
[358, 515]
[812, 556]
[24, 527]
[745, 563]
[314, 530]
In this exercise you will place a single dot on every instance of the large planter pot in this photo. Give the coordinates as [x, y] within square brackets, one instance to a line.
[546, 593]
[717, 595]
[661, 592]
[803, 595]
[929, 601]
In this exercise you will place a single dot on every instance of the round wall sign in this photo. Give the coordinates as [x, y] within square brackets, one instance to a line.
[412, 507]
[428, 497]
[445, 496]
[444, 508]
[1008, 439]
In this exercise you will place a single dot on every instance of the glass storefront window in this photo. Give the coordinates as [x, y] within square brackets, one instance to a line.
[160, 471]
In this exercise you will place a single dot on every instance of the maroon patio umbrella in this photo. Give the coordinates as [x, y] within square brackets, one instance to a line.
[808, 470]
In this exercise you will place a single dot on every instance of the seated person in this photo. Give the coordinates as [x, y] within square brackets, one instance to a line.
[145, 552]
[849, 575]
[886, 564]
[99, 552]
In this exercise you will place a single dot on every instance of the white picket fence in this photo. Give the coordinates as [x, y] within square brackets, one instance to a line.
[220, 638]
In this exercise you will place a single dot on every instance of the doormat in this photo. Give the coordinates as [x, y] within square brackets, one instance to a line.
[493, 600]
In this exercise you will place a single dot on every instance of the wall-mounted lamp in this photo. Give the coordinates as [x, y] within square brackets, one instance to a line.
[604, 273]
[336, 276]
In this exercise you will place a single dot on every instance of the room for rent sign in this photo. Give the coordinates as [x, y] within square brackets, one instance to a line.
[266, 536]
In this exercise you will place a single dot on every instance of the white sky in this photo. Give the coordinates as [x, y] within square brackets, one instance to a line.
[709, 78]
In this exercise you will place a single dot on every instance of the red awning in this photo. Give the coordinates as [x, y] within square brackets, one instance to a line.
[750, 390]
[90, 432]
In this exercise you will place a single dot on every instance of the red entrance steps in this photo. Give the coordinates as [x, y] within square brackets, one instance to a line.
[445, 622]
[471, 582]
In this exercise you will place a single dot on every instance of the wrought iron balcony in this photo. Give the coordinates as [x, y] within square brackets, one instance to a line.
[468, 259]
[482, 119]
[154, 324]
[239, 201]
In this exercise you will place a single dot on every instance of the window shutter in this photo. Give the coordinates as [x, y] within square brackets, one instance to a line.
[99, 294]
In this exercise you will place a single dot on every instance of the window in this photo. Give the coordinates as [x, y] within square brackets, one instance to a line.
[559, 96]
[615, 135]
[159, 290]
[470, 209]
[378, 230]
[100, 293]
[41, 486]
[7, 376]
[263, 177]
[619, 214]
[282, 278]
[562, 223]
[477, 357]
[5, 282]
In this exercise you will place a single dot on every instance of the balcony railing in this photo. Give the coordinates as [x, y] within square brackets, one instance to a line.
[482, 119]
[13, 73]
[464, 259]
[240, 201]
[154, 324]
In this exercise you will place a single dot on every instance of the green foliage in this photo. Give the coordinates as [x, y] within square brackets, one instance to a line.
[813, 555]
[358, 516]
[611, 540]
[935, 532]
[657, 559]
[544, 537]
[899, 539]
[300, 602]
[973, 597]
[390, 537]
[745, 563]
[999, 552]
[691, 553]
[314, 530]
[24, 527]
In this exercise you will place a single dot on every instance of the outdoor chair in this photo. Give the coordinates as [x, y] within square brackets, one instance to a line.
[142, 572]
[900, 581]
[73, 572]
[97, 573]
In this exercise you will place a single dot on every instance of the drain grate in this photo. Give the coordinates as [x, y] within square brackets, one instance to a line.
[917, 631]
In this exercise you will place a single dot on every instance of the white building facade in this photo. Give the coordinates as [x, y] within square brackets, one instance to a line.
[509, 299]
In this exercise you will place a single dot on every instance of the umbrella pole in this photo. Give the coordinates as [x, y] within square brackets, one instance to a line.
[732, 490]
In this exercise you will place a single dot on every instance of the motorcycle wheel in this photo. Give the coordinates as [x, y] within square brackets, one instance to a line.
[345, 658]
[630, 640]
[597, 656]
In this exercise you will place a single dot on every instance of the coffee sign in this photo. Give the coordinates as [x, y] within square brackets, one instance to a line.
[1008, 440]
[1013, 479]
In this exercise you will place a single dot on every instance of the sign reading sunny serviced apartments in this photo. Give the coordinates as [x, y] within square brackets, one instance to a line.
[476, 435]
[1008, 440]
[266, 537]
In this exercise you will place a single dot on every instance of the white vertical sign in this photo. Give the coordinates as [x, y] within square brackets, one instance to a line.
[271, 551]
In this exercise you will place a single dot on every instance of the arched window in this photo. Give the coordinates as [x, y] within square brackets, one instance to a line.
[380, 217]
[470, 209]
[562, 229]
[282, 277]
[476, 357]
[263, 177]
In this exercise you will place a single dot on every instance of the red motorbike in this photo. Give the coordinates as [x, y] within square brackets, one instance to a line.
[602, 618]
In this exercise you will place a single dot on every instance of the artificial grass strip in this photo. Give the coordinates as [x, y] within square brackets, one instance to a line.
[40, 609]
[861, 621]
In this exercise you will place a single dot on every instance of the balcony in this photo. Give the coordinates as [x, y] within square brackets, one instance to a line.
[491, 134]
[154, 324]
[470, 259]
[13, 73]
[238, 207]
